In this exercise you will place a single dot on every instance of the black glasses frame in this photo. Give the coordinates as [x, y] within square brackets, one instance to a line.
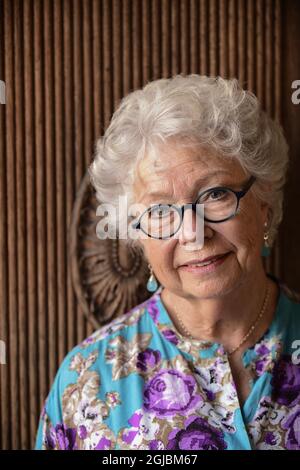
[180, 209]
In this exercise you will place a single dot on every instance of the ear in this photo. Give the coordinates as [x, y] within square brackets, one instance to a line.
[267, 214]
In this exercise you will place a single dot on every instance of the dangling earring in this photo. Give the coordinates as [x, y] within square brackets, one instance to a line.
[152, 282]
[266, 248]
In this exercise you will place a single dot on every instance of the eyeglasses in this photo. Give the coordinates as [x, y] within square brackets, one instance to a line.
[162, 221]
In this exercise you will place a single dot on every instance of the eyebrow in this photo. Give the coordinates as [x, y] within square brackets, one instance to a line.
[200, 180]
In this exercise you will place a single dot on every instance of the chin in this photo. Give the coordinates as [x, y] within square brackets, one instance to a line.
[211, 286]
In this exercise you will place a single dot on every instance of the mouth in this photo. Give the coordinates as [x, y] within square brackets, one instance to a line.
[208, 265]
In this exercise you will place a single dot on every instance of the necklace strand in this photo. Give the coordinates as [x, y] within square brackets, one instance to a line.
[250, 331]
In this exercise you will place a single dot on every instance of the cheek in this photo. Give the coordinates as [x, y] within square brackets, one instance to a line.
[243, 233]
[251, 227]
[159, 254]
[248, 233]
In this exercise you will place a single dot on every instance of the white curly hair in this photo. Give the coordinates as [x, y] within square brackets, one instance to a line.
[210, 111]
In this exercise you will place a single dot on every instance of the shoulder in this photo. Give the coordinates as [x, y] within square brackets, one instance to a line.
[85, 362]
[291, 294]
[94, 349]
[290, 306]
[288, 318]
[120, 325]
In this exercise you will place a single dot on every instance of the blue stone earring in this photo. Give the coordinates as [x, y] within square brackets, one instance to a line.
[265, 252]
[152, 282]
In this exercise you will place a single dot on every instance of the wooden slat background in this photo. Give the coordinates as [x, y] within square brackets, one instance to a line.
[66, 64]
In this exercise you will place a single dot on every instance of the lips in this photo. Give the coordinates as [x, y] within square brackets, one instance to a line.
[208, 267]
[204, 261]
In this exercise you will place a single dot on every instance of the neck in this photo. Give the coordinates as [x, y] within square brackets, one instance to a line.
[225, 319]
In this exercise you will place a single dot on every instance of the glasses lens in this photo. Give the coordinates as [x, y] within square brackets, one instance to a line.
[219, 204]
[161, 220]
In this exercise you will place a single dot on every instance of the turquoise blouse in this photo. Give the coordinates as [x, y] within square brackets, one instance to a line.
[137, 383]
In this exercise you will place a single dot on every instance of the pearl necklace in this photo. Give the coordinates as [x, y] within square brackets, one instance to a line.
[250, 331]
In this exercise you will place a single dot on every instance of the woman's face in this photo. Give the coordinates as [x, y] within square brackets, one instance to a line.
[173, 178]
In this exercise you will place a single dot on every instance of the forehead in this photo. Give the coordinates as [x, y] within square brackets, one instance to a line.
[174, 169]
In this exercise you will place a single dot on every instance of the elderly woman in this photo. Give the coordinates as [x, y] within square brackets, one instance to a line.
[210, 360]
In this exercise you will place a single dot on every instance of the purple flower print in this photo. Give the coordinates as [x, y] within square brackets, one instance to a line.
[260, 366]
[262, 350]
[155, 445]
[82, 432]
[143, 428]
[61, 437]
[148, 359]
[170, 336]
[210, 395]
[197, 435]
[170, 392]
[89, 340]
[103, 444]
[270, 439]
[134, 421]
[153, 310]
[264, 357]
[292, 424]
[286, 382]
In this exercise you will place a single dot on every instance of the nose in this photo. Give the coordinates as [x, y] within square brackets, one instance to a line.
[191, 234]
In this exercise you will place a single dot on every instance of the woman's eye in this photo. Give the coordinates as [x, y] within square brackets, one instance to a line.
[159, 211]
[217, 194]
[214, 195]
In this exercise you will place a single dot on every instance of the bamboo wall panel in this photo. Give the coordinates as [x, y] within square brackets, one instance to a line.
[66, 65]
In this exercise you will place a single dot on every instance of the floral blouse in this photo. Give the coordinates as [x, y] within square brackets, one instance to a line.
[137, 383]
